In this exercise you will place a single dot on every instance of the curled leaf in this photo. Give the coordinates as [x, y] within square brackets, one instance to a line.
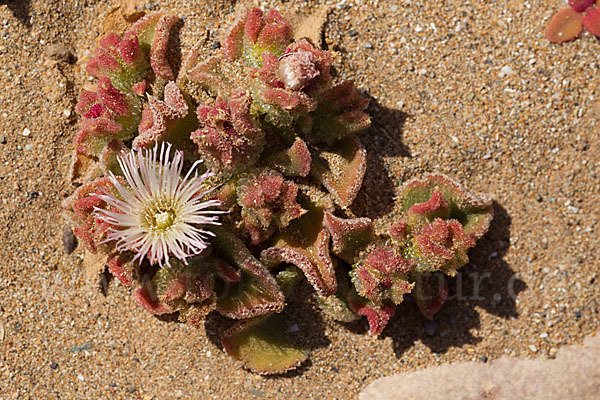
[169, 119]
[306, 245]
[257, 292]
[294, 161]
[349, 236]
[474, 211]
[377, 315]
[342, 170]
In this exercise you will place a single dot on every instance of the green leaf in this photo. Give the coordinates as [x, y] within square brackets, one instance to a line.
[262, 346]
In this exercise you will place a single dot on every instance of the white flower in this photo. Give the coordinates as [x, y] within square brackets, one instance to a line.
[158, 214]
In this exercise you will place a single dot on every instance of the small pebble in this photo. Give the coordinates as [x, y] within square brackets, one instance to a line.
[544, 335]
[352, 33]
[149, 6]
[533, 348]
[577, 314]
[368, 45]
[53, 365]
[430, 327]
[506, 70]
[131, 389]
[215, 45]
[483, 359]
[67, 113]
[335, 369]
[256, 393]
[3, 139]
[80, 377]
[19, 147]
[77, 349]
[538, 197]
[112, 384]
[59, 52]
[26, 132]
[28, 147]
[69, 240]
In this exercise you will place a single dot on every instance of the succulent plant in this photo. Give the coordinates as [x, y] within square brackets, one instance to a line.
[224, 201]
[568, 23]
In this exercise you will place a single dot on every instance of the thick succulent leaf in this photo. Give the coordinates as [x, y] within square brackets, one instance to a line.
[262, 346]
[381, 273]
[170, 119]
[288, 278]
[564, 26]
[336, 306]
[195, 313]
[305, 243]
[228, 140]
[341, 171]
[108, 113]
[257, 292]
[430, 292]
[80, 208]
[340, 113]
[210, 75]
[122, 267]
[474, 211]
[292, 82]
[377, 315]
[187, 288]
[591, 21]
[153, 34]
[114, 110]
[349, 236]
[252, 34]
[441, 245]
[268, 201]
[146, 297]
[294, 161]
[108, 158]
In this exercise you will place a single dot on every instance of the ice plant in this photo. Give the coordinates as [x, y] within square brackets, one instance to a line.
[284, 144]
[569, 22]
[157, 214]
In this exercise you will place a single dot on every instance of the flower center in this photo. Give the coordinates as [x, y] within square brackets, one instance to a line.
[164, 219]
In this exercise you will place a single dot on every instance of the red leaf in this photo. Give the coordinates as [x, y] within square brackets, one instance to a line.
[591, 21]
[566, 25]
[580, 5]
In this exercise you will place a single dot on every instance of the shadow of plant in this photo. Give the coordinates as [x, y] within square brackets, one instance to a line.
[382, 139]
[20, 9]
[487, 281]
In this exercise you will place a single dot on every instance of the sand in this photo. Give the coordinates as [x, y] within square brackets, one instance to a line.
[471, 89]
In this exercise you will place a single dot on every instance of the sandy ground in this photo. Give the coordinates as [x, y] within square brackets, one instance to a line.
[468, 88]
